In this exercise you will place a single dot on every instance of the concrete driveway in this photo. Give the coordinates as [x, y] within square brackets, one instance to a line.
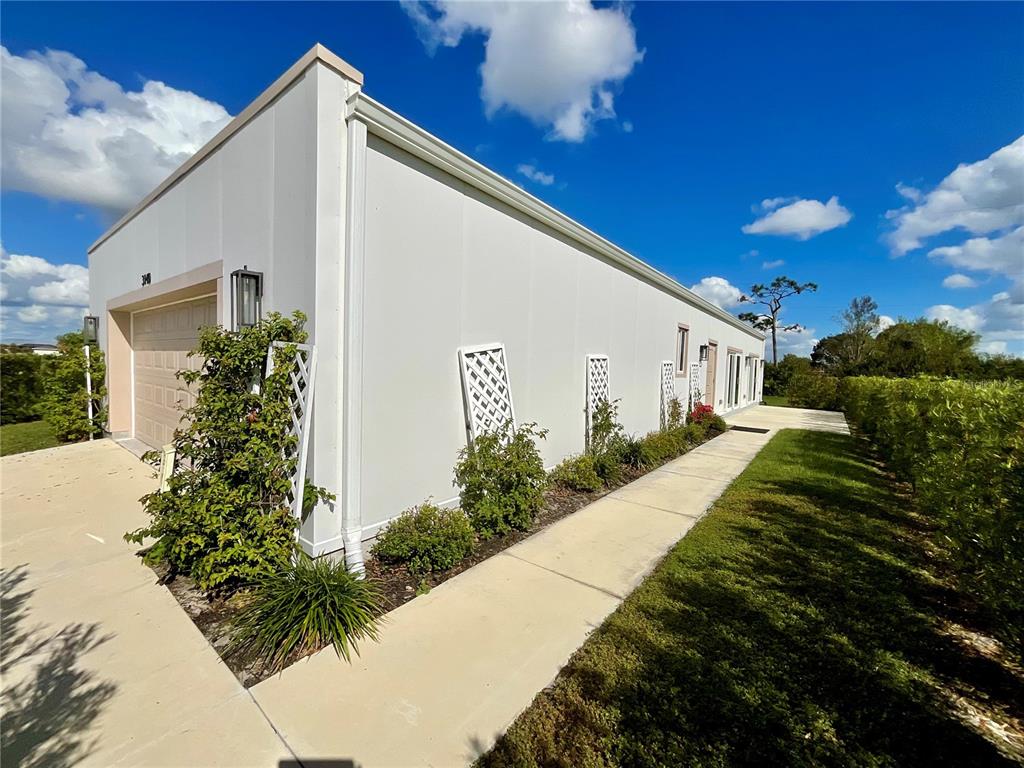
[100, 666]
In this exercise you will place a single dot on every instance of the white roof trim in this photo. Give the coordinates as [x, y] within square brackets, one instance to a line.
[395, 129]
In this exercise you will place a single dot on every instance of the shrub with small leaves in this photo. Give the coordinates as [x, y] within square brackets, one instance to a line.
[426, 538]
[814, 390]
[22, 377]
[302, 606]
[962, 446]
[224, 519]
[675, 413]
[577, 473]
[607, 441]
[501, 477]
[66, 405]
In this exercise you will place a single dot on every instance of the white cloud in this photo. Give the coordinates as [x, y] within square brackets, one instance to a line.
[771, 203]
[533, 173]
[72, 134]
[968, 318]
[980, 198]
[1002, 255]
[718, 291]
[884, 321]
[773, 264]
[557, 63]
[959, 281]
[802, 219]
[1000, 320]
[41, 299]
[33, 314]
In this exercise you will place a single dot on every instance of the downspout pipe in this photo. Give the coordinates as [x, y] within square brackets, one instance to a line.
[352, 312]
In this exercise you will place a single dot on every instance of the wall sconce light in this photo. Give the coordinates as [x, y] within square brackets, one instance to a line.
[246, 297]
[90, 329]
[703, 353]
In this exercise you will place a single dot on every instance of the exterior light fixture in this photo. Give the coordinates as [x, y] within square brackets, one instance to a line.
[703, 353]
[90, 329]
[246, 297]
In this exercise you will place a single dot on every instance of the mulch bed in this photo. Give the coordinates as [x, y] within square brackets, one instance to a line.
[212, 614]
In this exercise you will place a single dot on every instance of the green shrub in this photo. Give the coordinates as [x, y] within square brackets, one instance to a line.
[66, 404]
[607, 442]
[426, 538]
[675, 413]
[21, 385]
[302, 606]
[659, 447]
[502, 478]
[962, 446]
[778, 375]
[577, 473]
[225, 519]
[631, 451]
[814, 390]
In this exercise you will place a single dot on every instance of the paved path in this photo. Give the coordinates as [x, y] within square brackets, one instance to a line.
[122, 677]
[100, 664]
[455, 667]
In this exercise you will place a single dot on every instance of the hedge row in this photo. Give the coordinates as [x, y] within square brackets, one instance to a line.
[961, 444]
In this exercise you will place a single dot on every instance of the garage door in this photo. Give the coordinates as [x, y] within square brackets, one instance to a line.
[161, 340]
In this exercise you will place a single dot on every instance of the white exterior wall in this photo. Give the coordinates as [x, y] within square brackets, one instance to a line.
[445, 267]
[270, 198]
[251, 202]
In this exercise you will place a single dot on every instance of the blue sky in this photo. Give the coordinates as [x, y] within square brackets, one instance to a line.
[668, 128]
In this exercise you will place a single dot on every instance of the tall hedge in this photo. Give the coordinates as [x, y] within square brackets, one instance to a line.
[21, 386]
[961, 444]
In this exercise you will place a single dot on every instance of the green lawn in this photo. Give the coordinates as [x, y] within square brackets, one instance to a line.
[780, 400]
[27, 436]
[795, 625]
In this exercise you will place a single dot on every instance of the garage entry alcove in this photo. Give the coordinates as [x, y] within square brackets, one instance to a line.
[152, 331]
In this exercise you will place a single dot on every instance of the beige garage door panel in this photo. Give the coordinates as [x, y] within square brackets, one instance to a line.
[162, 339]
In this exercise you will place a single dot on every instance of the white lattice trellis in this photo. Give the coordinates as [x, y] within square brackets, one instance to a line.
[485, 389]
[597, 387]
[302, 378]
[695, 388]
[668, 388]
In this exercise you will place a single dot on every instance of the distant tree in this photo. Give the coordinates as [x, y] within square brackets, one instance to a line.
[835, 354]
[771, 297]
[860, 324]
[991, 367]
[777, 376]
[912, 347]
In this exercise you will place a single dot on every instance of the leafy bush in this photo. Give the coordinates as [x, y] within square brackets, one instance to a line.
[224, 519]
[303, 605]
[577, 473]
[607, 440]
[778, 375]
[21, 382]
[502, 478]
[814, 390]
[426, 538]
[700, 414]
[66, 405]
[962, 445]
[675, 413]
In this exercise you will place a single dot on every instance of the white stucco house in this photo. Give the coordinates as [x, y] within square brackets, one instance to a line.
[408, 258]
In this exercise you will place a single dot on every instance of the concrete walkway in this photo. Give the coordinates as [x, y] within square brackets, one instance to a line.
[102, 667]
[454, 668]
[100, 664]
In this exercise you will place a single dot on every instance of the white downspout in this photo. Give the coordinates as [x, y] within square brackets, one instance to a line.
[352, 371]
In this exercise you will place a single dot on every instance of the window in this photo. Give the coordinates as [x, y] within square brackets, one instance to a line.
[682, 348]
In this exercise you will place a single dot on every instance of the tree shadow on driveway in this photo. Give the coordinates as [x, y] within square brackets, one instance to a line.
[49, 700]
